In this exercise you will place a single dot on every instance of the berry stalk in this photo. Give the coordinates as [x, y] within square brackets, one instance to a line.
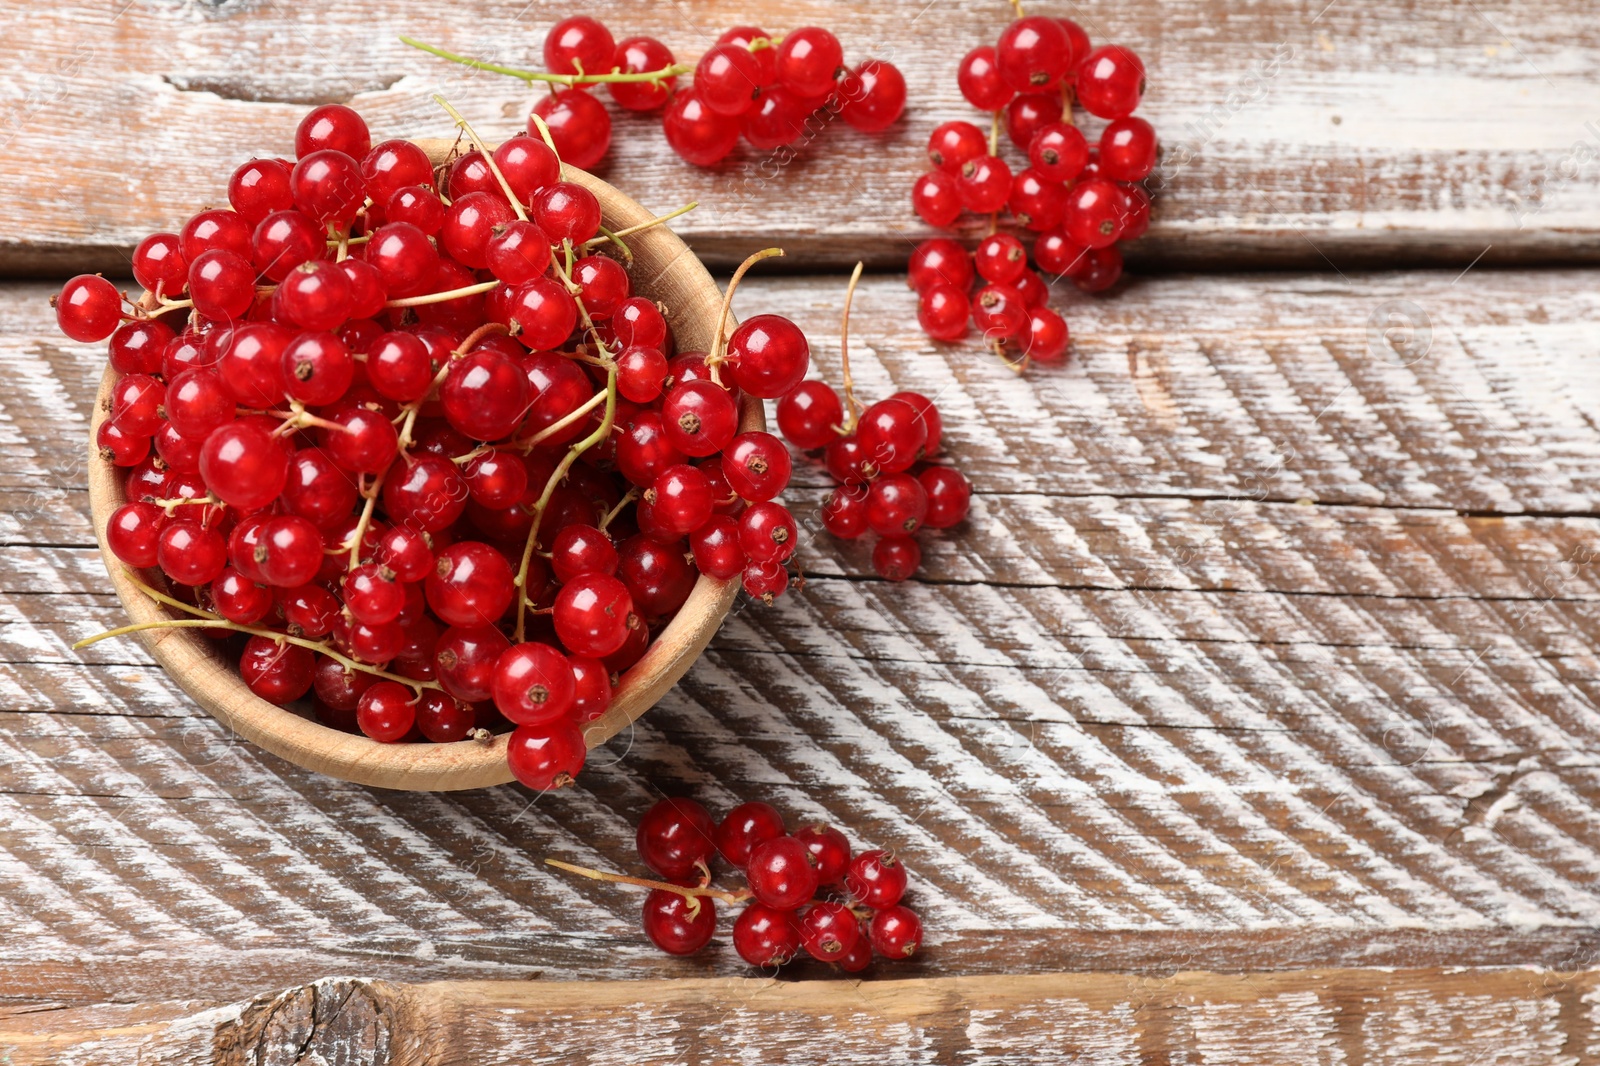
[852, 411]
[718, 353]
[569, 80]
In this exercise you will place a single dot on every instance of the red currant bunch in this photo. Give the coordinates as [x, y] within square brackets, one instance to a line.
[882, 460]
[806, 892]
[769, 91]
[1079, 199]
[412, 441]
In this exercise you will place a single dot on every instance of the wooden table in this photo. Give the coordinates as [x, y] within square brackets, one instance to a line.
[1252, 717]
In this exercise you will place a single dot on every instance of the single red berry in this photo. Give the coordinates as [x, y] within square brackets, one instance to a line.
[940, 261]
[1000, 258]
[317, 368]
[284, 240]
[579, 45]
[136, 404]
[778, 119]
[579, 125]
[757, 466]
[781, 874]
[859, 957]
[287, 553]
[544, 314]
[309, 611]
[641, 372]
[644, 450]
[332, 126]
[981, 82]
[1110, 81]
[426, 493]
[1101, 269]
[1047, 336]
[392, 166]
[808, 413]
[278, 672]
[892, 434]
[829, 931]
[485, 394]
[767, 533]
[190, 553]
[132, 533]
[605, 285]
[1058, 254]
[639, 322]
[717, 552]
[808, 61]
[1128, 149]
[159, 265]
[215, 230]
[696, 132]
[1036, 203]
[642, 55]
[1095, 212]
[844, 512]
[593, 614]
[469, 224]
[830, 851]
[949, 496]
[1034, 53]
[470, 585]
[876, 879]
[527, 164]
[1032, 288]
[328, 186]
[591, 688]
[1136, 212]
[244, 465]
[373, 595]
[534, 684]
[999, 311]
[896, 558]
[404, 258]
[847, 463]
[675, 837]
[442, 719]
[361, 440]
[895, 932]
[407, 552]
[745, 827]
[953, 143]
[386, 712]
[1028, 114]
[896, 505]
[765, 581]
[676, 924]
[464, 661]
[726, 77]
[1058, 151]
[658, 576]
[767, 356]
[984, 184]
[942, 312]
[936, 197]
[418, 205]
[546, 757]
[766, 936]
[699, 417]
[258, 188]
[874, 96]
[222, 285]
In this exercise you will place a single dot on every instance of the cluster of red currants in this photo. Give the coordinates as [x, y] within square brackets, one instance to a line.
[399, 417]
[750, 84]
[1081, 199]
[861, 915]
[879, 459]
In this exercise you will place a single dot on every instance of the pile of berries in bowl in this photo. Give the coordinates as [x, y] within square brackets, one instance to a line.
[400, 476]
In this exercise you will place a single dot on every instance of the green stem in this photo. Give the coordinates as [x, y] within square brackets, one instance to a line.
[488, 156]
[531, 76]
[441, 297]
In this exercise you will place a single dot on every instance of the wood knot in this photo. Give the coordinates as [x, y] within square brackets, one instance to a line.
[337, 1019]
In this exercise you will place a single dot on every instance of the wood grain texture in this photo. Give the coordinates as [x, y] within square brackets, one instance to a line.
[1298, 132]
[1321, 1018]
[1262, 650]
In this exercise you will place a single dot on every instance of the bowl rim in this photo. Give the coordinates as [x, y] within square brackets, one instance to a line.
[197, 666]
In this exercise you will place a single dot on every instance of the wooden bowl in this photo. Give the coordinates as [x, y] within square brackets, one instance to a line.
[664, 269]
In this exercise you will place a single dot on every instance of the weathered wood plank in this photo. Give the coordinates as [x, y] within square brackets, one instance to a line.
[1541, 1018]
[1297, 132]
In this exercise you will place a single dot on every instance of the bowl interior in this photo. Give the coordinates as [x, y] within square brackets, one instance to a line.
[663, 269]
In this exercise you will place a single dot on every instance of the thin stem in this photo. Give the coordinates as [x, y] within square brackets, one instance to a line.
[616, 239]
[686, 891]
[544, 131]
[994, 150]
[1066, 104]
[441, 297]
[370, 504]
[852, 408]
[531, 76]
[627, 498]
[641, 227]
[488, 156]
[528, 444]
[717, 355]
[139, 627]
[1016, 5]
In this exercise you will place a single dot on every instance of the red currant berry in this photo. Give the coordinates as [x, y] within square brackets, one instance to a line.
[949, 496]
[1028, 114]
[317, 368]
[362, 441]
[641, 372]
[696, 132]
[544, 315]
[675, 837]
[469, 224]
[777, 120]
[528, 165]
[1034, 292]
[496, 479]
[953, 143]
[404, 258]
[981, 82]
[767, 356]
[942, 312]
[579, 45]
[895, 932]
[726, 79]
[605, 285]
[518, 252]
[471, 173]
[244, 465]
[1110, 81]
[133, 531]
[808, 413]
[593, 614]
[876, 879]
[1095, 211]
[591, 688]
[136, 404]
[940, 261]
[859, 957]
[309, 610]
[642, 55]
[407, 552]
[745, 827]
[829, 931]
[328, 186]
[892, 434]
[189, 553]
[681, 499]
[847, 463]
[1102, 267]
[1136, 212]
[386, 713]
[716, 548]
[470, 585]
[1058, 152]
[399, 367]
[534, 685]
[221, 284]
[638, 322]
[288, 552]
[159, 265]
[1036, 203]
[215, 230]
[1047, 336]
[999, 311]
[1128, 149]
[579, 125]
[896, 505]
[332, 126]
[546, 757]
[781, 874]
[238, 599]
[373, 595]
[844, 512]
[418, 205]
[485, 395]
[699, 417]
[896, 558]
[1033, 54]
[258, 188]
[830, 851]
[391, 166]
[874, 96]
[936, 197]
[464, 661]
[765, 936]
[808, 61]
[984, 184]
[442, 719]
[284, 240]
[757, 466]
[766, 57]
[658, 577]
[278, 672]
[1000, 258]
[767, 533]
[676, 924]
[1058, 254]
